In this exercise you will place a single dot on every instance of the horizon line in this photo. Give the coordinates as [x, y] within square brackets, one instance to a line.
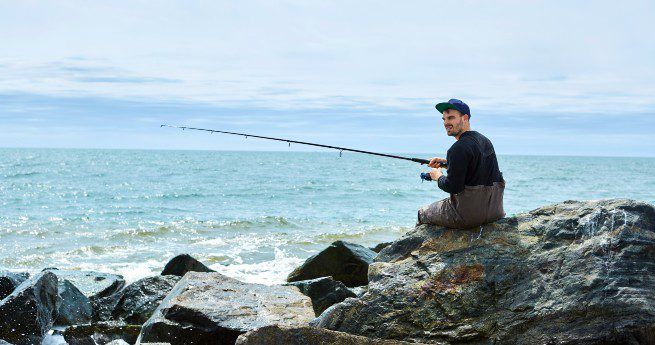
[289, 151]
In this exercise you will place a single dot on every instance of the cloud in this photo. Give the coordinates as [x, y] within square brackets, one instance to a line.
[320, 67]
[125, 80]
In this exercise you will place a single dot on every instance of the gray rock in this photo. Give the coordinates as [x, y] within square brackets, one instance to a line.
[2, 342]
[103, 307]
[276, 335]
[101, 333]
[75, 308]
[324, 292]
[92, 284]
[380, 246]
[28, 313]
[569, 273]
[343, 261]
[210, 308]
[118, 342]
[140, 299]
[9, 281]
[182, 264]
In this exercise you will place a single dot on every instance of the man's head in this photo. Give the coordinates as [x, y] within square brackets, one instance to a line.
[456, 116]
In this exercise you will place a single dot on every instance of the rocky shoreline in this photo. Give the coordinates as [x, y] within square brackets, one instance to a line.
[568, 273]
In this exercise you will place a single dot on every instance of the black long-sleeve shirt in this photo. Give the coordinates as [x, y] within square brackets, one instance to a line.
[471, 162]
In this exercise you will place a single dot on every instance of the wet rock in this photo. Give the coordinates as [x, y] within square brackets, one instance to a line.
[92, 284]
[9, 281]
[29, 311]
[343, 261]
[380, 246]
[210, 308]
[75, 308]
[182, 264]
[324, 292]
[276, 335]
[140, 299]
[569, 273]
[101, 333]
[103, 307]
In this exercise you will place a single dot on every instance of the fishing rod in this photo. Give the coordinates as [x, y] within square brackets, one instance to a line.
[424, 176]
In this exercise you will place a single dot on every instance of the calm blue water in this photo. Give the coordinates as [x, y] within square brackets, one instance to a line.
[251, 215]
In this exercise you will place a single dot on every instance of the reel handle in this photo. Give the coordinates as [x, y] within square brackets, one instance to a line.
[427, 177]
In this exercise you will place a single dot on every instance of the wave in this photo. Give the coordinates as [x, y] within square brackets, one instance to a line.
[174, 196]
[22, 174]
[265, 221]
[146, 231]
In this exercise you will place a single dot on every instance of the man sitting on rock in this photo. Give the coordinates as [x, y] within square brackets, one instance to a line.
[473, 179]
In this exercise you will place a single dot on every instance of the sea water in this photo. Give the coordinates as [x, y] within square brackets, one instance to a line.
[250, 215]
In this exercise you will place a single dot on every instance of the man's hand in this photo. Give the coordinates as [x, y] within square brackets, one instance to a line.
[434, 162]
[435, 174]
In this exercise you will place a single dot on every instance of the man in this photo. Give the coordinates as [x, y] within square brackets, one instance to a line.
[474, 181]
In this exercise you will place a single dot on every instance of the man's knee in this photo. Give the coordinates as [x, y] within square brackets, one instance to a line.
[428, 214]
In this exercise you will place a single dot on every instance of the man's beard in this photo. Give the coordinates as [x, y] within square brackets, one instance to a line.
[454, 132]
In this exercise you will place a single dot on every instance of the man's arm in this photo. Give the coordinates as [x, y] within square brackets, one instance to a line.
[458, 161]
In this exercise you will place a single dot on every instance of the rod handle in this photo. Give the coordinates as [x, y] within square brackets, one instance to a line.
[425, 161]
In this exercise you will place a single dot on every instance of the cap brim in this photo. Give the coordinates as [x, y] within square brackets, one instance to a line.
[443, 106]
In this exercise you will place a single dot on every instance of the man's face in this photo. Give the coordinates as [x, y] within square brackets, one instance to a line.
[453, 121]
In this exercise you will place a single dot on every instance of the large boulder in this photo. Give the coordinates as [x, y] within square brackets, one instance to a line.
[210, 308]
[569, 273]
[92, 284]
[276, 335]
[103, 307]
[343, 261]
[9, 281]
[182, 264]
[140, 299]
[324, 292]
[30, 310]
[135, 303]
[75, 308]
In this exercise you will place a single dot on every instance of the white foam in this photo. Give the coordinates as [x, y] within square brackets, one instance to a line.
[131, 272]
[135, 271]
[268, 272]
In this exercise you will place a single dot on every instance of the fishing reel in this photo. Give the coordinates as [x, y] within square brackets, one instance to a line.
[427, 177]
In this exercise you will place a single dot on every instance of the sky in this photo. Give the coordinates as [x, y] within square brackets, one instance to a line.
[540, 77]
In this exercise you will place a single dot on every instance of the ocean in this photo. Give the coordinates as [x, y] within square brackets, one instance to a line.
[250, 215]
